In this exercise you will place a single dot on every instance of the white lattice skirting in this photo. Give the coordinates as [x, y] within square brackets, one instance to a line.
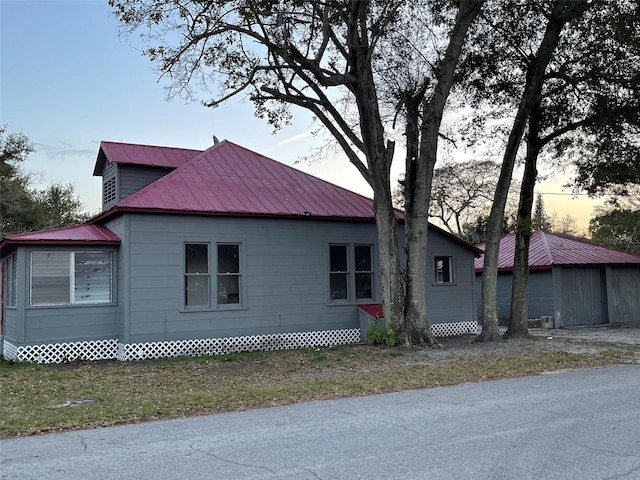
[63, 352]
[456, 328]
[112, 349]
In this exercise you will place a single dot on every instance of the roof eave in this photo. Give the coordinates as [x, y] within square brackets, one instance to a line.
[118, 210]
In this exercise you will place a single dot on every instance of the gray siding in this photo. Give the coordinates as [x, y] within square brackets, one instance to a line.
[132, 178]
[71, 324]
[449, 303]
[285, 272]
[129, 179]
[11, 321]
[624, 294]
[540, 292]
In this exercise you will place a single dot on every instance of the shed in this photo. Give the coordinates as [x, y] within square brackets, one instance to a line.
[572, 280]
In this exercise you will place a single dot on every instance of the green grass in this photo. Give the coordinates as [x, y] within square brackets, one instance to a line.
[31, 396]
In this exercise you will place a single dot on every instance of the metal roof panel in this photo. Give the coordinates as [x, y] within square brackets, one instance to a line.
[548, 249]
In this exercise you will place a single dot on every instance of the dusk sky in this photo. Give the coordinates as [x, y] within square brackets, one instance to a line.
[68, 81]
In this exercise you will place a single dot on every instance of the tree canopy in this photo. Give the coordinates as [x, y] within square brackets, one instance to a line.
[23, 207]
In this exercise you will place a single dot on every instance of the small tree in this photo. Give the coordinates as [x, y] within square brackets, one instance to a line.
[540, 220]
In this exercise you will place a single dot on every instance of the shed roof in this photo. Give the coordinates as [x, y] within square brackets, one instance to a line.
[549, 249]
[85, 234]
[147, 155]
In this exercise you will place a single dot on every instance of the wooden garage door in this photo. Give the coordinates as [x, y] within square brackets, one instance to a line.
[582, 296]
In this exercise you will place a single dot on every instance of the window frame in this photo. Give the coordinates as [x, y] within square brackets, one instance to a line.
[11, 281]
[213, 260]
[72, 300]
[357, 272]
[449, 260]
[351, 273]
[187, 275]
[225, 275]
[343, 273]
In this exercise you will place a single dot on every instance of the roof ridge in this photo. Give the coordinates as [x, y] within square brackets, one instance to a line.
[545, 245]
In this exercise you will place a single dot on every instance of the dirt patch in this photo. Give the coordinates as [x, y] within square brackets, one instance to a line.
[591, 340]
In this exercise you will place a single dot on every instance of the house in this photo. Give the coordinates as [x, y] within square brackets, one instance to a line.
[209, 252]
[574, 281]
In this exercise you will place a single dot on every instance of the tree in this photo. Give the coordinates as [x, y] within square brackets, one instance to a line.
[493, 72]
[617, 225]
[24, 208]
[581, 93]
[461, 195]
[14, 183]
[55, 206]
[588, 94]
[540, 219]
[320, 56]
[462, 191]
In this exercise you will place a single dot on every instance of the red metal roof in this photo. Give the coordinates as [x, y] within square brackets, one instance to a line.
[76, 235]
[548, 249]
[232, 180]
[149, 155]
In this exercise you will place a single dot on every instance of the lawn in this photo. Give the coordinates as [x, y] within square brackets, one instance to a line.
[45, 398]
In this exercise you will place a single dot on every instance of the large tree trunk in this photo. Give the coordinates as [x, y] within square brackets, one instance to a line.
[560, 15]
[419, 175]
[519, 319]
[390, 266]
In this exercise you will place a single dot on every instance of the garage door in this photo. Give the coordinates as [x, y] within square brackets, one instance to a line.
[582, 296]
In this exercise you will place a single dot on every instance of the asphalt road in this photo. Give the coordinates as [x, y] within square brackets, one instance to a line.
[570, 425]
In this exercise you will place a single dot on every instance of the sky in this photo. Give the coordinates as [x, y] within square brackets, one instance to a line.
[68, 80]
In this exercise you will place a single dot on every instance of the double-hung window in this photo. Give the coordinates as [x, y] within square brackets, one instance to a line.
[228, 277]
[442, 267]
[11, 281]
[69, 278]
[350, 272]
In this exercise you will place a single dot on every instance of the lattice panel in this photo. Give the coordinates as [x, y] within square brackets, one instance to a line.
[69, 352]
[9, 351]
[222, 346]
[456, 328]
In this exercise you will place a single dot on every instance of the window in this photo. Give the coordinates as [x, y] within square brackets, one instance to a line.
[339, 272]
[350, 273]
[198, 288]
[196, 275]
[11, 281]
[67, 278]
[228, 274]
[364, 271]
[443, 270]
